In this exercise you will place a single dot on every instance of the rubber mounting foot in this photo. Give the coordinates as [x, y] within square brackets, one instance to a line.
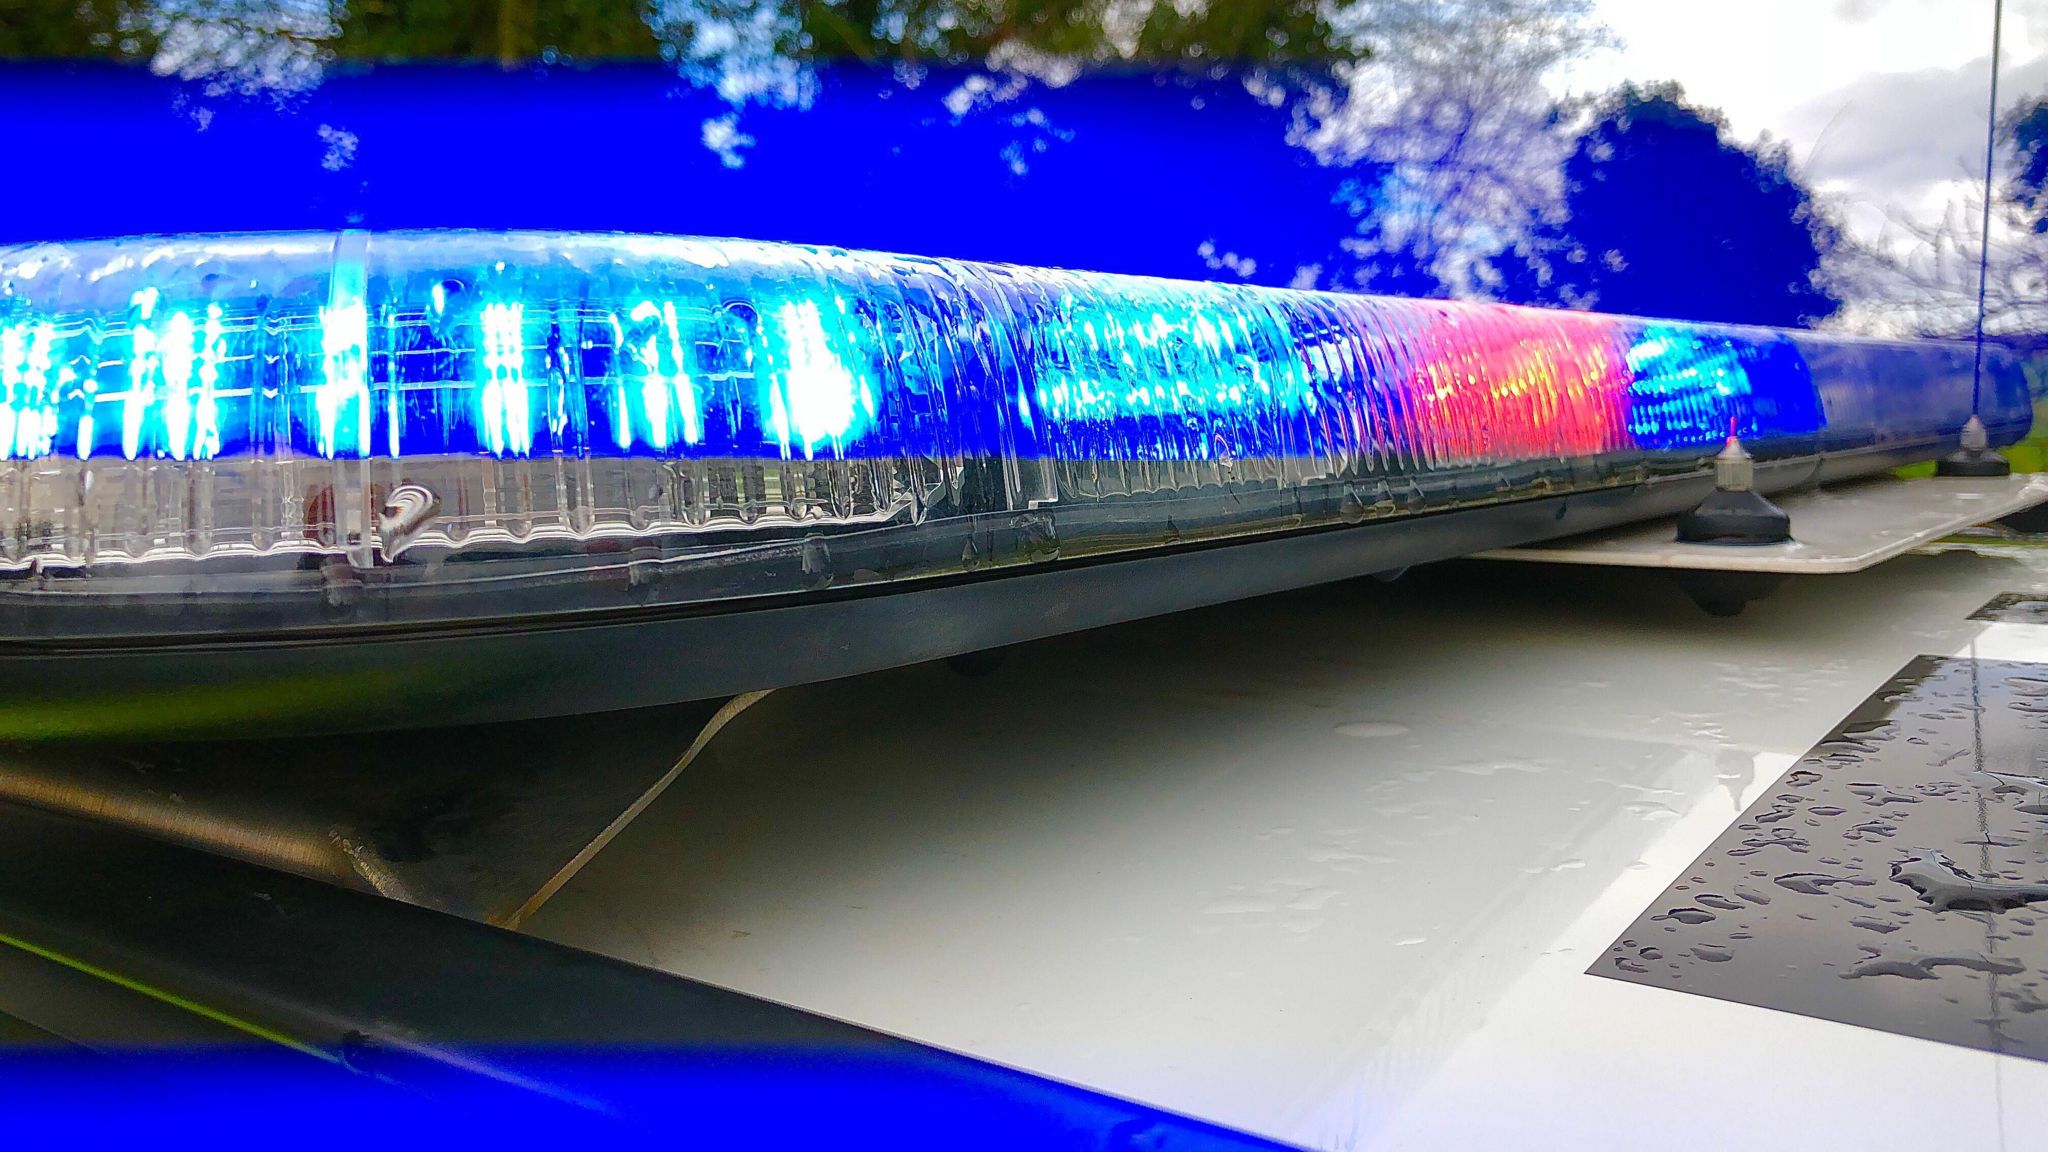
[1964, 462]
[1738, 517]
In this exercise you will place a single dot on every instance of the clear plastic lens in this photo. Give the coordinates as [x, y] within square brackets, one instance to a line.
[467, 425]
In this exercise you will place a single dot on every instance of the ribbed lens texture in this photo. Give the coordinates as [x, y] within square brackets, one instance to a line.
[215, 396]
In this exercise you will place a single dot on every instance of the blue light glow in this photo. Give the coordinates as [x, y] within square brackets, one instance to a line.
[667, 397]
[829, 1091]
[675, 348]
[812, 396]
[28, 410]
[506, 421]
[779, 419]
[341, 401]
[1692, 388]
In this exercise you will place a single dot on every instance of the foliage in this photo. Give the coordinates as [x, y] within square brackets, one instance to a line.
[1452, 108]
[508, 31]
[966, 31]
[1243, 32]
[2027, 133]
[68, 29]
[1930, 284]
[1663, 215]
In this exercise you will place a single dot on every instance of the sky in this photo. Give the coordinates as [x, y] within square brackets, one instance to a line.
[1882, 101]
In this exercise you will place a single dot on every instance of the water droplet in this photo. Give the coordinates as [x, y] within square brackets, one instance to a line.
[1879, 794]
[1912, 964]
[1819, 883]
[1944, 886]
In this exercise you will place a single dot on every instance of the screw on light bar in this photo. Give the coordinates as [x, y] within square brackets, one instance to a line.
[422, 426]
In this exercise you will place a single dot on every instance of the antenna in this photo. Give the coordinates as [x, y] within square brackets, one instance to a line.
[1974, 457]
[1984, 234]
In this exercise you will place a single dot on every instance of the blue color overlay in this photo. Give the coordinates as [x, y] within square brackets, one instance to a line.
[354, 345]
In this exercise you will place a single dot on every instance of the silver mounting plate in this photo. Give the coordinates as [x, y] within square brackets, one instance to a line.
[1845, 528]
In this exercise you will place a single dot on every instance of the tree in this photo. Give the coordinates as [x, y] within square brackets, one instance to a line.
[2022, 301]
[751, 49]
[273, 46]
[972, 31]
[507, 31]
[2027, 132]
[59, 29]
[1664, 215]
[1242, 32]
[1921, 278]
[1451, 106]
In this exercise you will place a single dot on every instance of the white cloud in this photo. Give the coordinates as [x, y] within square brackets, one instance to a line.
[1759, 60]
[1882, 102]
[1893, 138]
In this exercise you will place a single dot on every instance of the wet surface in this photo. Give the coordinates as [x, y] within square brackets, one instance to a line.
[2014, 608]
[1327, 866]
[1896, 878]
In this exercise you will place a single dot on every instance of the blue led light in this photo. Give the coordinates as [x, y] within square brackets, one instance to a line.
[28, 383]
[395, 347]
[632, 386]
[506, 419]
[1693, 388]
[812, 396]
[341, 400]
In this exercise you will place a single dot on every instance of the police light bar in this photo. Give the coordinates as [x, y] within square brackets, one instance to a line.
[243, 442]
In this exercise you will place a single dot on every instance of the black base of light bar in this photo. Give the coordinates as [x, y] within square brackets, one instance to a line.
[523, 669]
[213, 991]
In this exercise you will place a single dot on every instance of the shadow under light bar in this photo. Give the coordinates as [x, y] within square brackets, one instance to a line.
[283, 451]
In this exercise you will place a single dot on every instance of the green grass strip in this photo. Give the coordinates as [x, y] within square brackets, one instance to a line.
[171, 998]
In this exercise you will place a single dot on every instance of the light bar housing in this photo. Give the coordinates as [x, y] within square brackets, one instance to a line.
[274, 437]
